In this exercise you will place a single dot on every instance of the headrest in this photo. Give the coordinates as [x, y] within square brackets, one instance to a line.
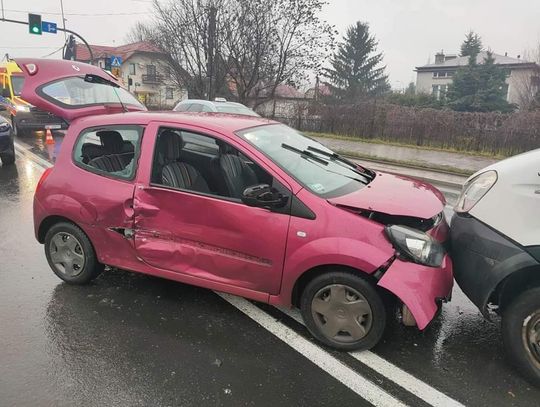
[111, 140]
[225, 148]
[171, 144]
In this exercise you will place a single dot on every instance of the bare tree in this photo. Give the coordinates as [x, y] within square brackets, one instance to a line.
[238, 48]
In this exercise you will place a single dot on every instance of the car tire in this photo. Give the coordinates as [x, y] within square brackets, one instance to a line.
[8, 158]
[17, 132]
[345, 304]
[519, 321]
[70, 254]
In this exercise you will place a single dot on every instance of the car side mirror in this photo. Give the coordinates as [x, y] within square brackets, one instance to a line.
[264, 196]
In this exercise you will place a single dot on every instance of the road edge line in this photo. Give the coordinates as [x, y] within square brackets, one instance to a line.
[337, 369]
[402, 378]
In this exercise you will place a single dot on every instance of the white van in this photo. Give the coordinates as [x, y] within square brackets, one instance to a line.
[496, 252]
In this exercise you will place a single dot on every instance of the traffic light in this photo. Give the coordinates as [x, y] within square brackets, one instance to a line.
[34, 24]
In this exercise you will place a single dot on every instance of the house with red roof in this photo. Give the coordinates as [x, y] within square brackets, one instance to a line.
[144, 71]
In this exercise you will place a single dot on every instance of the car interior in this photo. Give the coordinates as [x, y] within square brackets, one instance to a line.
[203, 164]
[107, 151]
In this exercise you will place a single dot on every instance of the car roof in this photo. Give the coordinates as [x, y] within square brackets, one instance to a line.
[211, 102]
[210, 120]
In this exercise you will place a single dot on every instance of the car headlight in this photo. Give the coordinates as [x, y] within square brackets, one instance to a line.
[4, 126]
[23, 108]
[415, 245]
[474, 190]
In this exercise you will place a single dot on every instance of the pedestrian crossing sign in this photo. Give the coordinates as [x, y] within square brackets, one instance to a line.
[116, 61]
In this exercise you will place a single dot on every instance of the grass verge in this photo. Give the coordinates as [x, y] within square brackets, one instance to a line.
[404, 163]
[398, 144]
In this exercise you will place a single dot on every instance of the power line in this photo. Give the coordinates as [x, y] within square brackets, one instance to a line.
[24, 47]
[54, 52]
[77, 14]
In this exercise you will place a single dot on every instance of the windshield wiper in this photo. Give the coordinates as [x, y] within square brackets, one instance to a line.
[308, 155]
[305, 153]
[365, 171]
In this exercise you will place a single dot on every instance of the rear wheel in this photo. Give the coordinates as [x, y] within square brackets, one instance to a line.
[521, 334]
[343, 311]
[70, 254]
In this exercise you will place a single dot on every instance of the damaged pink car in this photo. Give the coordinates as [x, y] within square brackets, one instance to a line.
[236, 204]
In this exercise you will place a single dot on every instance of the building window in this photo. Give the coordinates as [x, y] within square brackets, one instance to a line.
[132, 69]
[168, 71]
[169, 93]
[151, 70]
[435, 91]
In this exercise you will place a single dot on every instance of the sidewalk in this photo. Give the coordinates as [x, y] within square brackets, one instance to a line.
[409, 155]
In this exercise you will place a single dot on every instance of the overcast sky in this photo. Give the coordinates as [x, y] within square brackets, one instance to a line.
[409, 31]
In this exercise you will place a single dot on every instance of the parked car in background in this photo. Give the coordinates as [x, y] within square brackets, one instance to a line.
[7, 149]
[22, 115]
[219, 105]
[496, 252]
[237, 204]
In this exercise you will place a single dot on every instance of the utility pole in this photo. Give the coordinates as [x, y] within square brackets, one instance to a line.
[63, 19]
[210, 68]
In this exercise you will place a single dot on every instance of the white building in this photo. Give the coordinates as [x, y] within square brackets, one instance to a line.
[522, 76]
[144, 72]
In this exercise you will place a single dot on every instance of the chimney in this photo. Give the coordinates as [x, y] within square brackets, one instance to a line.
[506, 54]
[439, 58]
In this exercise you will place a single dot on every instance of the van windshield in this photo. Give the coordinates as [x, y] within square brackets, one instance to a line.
[314, 166]
[17, 83]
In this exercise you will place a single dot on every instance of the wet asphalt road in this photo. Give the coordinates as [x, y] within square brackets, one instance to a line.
[134, 340]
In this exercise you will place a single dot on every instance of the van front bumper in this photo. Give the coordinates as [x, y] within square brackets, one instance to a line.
[483, 258]
[38, 120]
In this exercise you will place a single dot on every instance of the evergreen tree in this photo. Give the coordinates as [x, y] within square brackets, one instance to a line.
[472, 45]
[356, 72]
[479, 87]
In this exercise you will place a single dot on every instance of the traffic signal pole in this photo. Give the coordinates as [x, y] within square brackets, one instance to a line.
[7, 20]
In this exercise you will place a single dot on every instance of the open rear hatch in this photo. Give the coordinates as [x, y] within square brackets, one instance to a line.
[70, 89]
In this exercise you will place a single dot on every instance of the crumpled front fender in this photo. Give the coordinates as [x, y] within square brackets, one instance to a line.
[419, 287]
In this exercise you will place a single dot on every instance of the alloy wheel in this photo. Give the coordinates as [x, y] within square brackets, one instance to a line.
[531, 336]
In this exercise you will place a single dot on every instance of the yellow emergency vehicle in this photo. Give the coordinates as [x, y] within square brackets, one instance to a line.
[23, 116]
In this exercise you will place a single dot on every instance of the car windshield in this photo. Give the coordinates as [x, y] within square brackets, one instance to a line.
[308, 161]
[235, 110]
[17, 84]
[75, 91]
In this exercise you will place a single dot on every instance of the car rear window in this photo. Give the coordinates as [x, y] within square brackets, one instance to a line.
[76, 92]
[111, 151]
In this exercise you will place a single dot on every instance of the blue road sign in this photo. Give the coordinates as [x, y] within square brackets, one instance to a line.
[116, 61]
[48, 27]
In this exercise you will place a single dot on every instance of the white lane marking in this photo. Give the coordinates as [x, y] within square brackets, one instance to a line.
[354, 381]
[403, 379]
[410, 383]
[24, 150]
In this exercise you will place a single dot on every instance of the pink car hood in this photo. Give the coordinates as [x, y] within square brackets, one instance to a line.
[395, 195]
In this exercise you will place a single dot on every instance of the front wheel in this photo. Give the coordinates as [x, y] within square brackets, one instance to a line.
[343, 311]
[70, 254]
[521, 334]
